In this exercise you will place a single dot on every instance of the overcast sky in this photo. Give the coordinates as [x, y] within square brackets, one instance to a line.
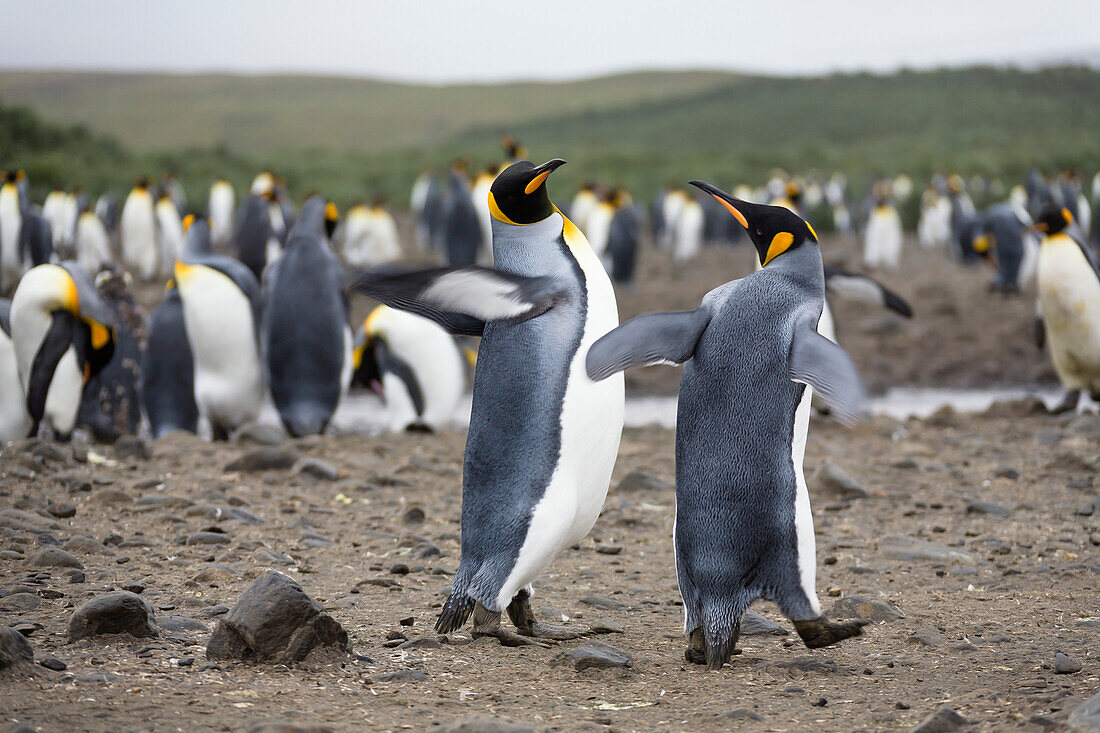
[426, 40]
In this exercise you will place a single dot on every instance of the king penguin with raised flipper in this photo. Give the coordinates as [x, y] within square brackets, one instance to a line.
[305, 336]
[221, 307]
[752, 358]
[543, 436]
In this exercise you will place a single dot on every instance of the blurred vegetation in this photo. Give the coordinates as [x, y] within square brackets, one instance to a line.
[352, 138]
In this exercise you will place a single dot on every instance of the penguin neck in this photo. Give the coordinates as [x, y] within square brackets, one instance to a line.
[803, 265]
[533, 249]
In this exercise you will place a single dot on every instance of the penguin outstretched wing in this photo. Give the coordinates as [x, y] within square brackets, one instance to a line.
[854, 286]
[655, 338]
[820, 363]
[462, 299]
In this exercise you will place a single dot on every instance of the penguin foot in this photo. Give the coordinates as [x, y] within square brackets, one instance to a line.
[1068, 403]
[487, 623]
[820, 631]
[519, 611]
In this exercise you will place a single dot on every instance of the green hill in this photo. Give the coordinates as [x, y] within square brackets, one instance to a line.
[349, 137]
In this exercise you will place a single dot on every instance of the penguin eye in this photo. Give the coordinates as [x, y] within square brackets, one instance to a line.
[759, 233]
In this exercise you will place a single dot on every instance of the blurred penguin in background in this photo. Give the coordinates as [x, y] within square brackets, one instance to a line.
[690, 221]
[424, 204]
[934, 225]
[59, 210]
[584, 203]
[836, 191]
[15, 420]
[220, 207]
[221, 307]
[305, 336]
[93, 243]
[882, 238]
[370, 236]
[672, 205]
[479, 194]
[35, 238]
[1000, 238]
[111, 405]
[962, 218]
[106, 208]
[253, 238]
[599, 221]
[11, 222]
[621, 255]
[414, 365]
[138, 233]
[513, 151]
[460, 229]
[169, 231]
[171, 186]
[790, 199]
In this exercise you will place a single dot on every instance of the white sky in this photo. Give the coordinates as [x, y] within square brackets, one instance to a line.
[457, 40]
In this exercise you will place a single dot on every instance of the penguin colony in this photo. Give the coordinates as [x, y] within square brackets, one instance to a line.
[255, 313]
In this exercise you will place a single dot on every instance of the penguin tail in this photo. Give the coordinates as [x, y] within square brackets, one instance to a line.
[721, 627]
[455, 612]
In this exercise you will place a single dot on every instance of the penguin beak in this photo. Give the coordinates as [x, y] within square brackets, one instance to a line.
[540, 174]
[733, 205]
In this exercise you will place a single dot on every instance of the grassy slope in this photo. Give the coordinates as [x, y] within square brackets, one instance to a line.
[349, 137]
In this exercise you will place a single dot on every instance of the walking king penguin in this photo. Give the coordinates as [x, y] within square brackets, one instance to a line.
[1069, 301]
[305, 336]
[543, 436]
[63, 335]
[221, 303]
[752, 357]
[15, 421]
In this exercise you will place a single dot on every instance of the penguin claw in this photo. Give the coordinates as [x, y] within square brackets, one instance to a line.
[821, 632]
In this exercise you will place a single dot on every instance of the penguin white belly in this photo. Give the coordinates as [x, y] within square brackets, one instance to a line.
[229, 385]
[356, 239]
[348, 368]
[803, 516]
[689, 232]
[599, 228]
[480, 197]
[15, 421]
[138, 234]
[64, 393]
[11, 220]
[382, 244]
[221, 214]
[171, 233]
[591, 427]
[882, 246]
[1069, 295]
[272, 251]
[436, 362]
[93, 246]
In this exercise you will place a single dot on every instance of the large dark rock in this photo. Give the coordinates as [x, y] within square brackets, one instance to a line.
[275, 621]
[117, 612]
[596, 654]
[54, 557]
[942, 721]
[872, 609]
[14, 648]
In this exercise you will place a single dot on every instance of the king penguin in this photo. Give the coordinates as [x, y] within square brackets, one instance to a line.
[15, 420]
[11, 222]
[221, 305]
[305, 336]
[459, 226]
[220, 205]
[543, 436]
[414, 365]
[169, 231]
[64, 335]
[1069, 302]
[167, 367]
[93, 243]
[253, 236]
[752, 358]
[138, 233]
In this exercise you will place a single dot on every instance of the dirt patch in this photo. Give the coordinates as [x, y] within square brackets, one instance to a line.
[377, 548]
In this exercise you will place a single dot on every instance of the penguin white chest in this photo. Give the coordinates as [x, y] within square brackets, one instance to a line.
[10, 222]
[15, 422]
[591, 427]
[228, 375]
[1069, 296]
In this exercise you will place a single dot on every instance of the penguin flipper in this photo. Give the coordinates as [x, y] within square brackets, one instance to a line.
[390, 362]
[866, 289]
[462, 299]
[820, 363]
[655, 338]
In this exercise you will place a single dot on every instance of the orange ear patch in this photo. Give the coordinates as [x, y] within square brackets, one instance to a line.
[1067, 216]
[781, 242]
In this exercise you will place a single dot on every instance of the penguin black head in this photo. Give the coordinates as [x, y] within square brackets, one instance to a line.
[1053, 219]
[773, 229]
[332, 218]
[518, 195]
[9, 176]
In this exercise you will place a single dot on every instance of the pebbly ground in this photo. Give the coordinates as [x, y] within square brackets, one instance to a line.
[972, 539]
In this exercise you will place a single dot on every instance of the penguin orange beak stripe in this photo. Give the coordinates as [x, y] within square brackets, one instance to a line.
[544, 170]
[723, 198]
